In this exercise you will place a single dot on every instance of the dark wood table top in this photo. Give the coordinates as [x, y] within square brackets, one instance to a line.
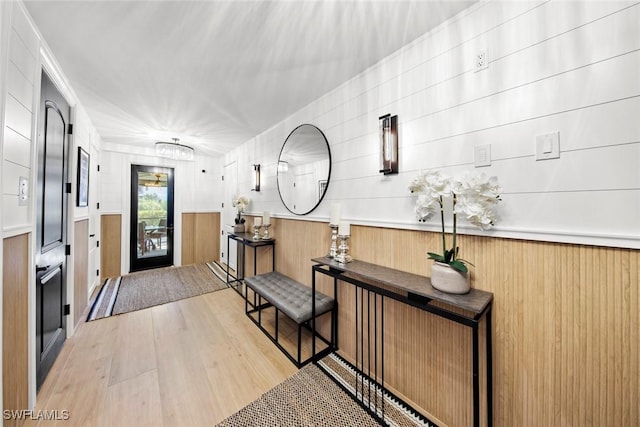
[475, 301]
[247, 238]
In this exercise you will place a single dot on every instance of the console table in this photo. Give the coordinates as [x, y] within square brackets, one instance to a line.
[246, 240]
[414, 290]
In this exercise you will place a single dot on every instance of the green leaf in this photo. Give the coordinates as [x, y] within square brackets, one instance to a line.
[436, 257]
[458, 265]
[466, 262]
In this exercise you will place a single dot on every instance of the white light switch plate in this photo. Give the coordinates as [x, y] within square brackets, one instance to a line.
[482, 155]
[548, 146]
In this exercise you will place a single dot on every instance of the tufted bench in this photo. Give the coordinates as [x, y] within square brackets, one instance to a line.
[291, 298]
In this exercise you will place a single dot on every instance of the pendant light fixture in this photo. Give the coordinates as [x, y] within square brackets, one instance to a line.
[173, 150]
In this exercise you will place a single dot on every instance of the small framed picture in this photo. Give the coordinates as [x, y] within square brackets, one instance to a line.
[82, 198]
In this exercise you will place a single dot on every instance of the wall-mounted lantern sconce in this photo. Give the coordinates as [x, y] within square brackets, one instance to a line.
[388, 144]
[283, 166]
[256, 178]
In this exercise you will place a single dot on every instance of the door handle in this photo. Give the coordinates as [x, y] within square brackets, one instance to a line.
[39, 269]
[92, 235]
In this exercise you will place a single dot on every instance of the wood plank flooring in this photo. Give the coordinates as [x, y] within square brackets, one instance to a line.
[188, 363]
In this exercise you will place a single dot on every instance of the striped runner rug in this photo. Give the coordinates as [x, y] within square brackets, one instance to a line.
[149, 288]
[220, 271]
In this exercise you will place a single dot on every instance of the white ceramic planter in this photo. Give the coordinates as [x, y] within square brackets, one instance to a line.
[447, 279]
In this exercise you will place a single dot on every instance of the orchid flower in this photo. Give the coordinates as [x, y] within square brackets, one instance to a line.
[473, 196]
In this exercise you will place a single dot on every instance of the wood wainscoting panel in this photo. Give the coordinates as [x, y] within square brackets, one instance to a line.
[188, 237]
[565, 325]
[80, 269]
[207, 236]
[111, 232]
[200, 237]
[297, 242]
[15, 357]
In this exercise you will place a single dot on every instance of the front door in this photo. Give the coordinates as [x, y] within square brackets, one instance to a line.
[51, 233]
[151, 239]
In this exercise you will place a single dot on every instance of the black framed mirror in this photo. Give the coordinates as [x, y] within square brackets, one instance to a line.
[304, 169]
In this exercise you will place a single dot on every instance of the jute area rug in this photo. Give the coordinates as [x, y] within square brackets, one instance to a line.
[312, 397]
[145, 289]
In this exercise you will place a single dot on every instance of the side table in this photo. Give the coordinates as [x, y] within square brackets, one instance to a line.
[245, 240]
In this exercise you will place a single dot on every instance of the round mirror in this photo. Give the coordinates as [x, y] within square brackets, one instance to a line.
[304, 167]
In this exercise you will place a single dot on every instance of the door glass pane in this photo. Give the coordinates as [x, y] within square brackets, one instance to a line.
[152, 214]
[53, 179]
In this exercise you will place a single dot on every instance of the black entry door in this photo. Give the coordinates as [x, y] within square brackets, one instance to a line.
[151, 236]
[51, 234]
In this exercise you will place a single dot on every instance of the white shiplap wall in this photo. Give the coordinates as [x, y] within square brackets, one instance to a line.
[571, 67]
[194, 190]
[27, 54]
[21, 75]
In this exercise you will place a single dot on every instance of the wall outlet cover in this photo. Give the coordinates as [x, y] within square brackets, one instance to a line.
[482, 60]
[23, 191]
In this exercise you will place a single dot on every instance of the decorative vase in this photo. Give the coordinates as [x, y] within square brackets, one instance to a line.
[447, 279]
[238, 228]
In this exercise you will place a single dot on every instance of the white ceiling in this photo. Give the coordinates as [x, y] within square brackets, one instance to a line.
[217, 73]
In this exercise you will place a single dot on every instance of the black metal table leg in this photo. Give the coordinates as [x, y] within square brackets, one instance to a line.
[476, 378]
[313, 315]
[489, 363]
[244, 256]
[228, 259]
[255, 261]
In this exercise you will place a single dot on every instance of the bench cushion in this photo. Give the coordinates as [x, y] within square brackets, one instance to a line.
[289, 296]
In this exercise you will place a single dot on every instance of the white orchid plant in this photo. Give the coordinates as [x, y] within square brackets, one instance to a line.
[240, 203]
[474, 196]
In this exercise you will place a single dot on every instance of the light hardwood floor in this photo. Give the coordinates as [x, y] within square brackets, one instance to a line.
[188, 363]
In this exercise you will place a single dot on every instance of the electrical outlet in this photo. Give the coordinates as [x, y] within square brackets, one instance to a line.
[23, 191]
[482, 60]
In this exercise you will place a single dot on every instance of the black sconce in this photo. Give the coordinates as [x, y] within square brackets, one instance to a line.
[283, 166]
[388, 144]
[256, 178]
